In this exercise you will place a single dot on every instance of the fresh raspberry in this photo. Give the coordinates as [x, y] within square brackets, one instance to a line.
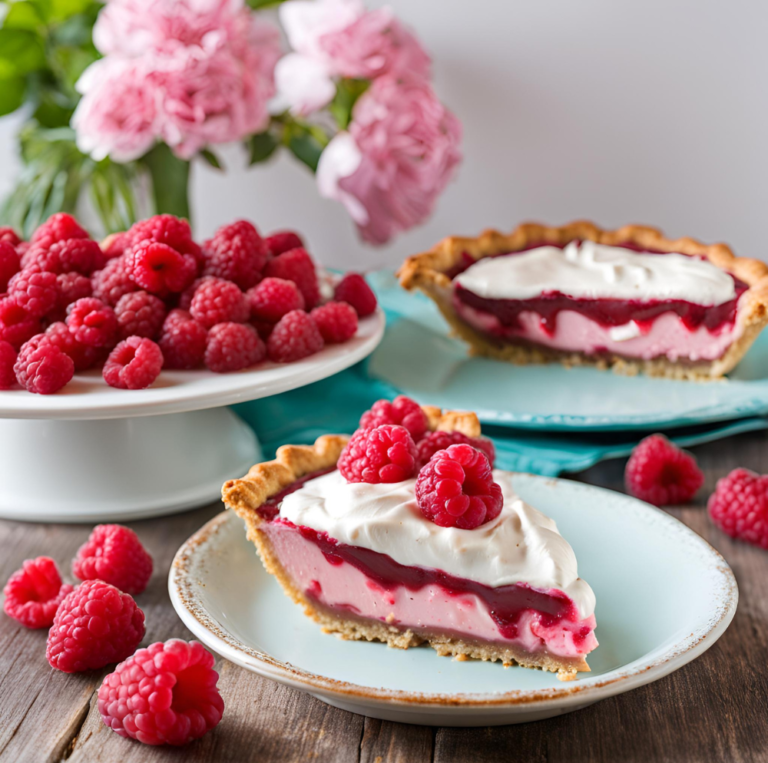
[232, 347]
[337, 321]
[94, 626]
[660, 473]
[83, 356]
[273, 298]
[58, 227]
[80, 255]
[456, 488]
[739, 506]
[159, 268]
[186, 297]
[33, 593]
[297, 266]
[113, 281]
[219, 301]
[9, 235]
[37, 292]
[7, 362]
[114, 554]
[381, 454]
[353, 290]
[115, 245]
[164, 694]
[402, 410]
[237, 253]
[283, 241]
[134, 364]
[42, 367]
[92, 322]
[9, 263]
[295, 336]
[140, 314]
[165, 229]
[435, 441]
[183, 341]
[16, 324]
[71, 287]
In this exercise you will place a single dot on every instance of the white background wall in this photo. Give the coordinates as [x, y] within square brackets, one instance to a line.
[651, 111]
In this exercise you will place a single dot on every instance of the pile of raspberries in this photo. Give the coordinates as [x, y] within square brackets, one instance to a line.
[151, 298]
[163, 694]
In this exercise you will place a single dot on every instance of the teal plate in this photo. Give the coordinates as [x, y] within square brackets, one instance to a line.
[664, 596]
[419, 358]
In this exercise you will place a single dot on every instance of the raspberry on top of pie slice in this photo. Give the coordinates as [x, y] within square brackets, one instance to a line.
[628, 298]
[375, 544]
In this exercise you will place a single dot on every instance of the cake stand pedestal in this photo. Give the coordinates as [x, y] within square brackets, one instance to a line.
[93, 454]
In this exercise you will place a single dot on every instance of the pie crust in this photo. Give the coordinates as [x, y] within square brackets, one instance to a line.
[293, 462]
[429, 272]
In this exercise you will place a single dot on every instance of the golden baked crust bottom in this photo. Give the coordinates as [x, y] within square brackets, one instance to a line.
[428, 272]
[292, 462]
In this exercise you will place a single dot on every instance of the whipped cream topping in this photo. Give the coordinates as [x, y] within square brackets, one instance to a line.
[586, 270]
[521, 545]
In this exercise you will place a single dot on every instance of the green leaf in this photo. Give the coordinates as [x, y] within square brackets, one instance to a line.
[347, 93]
[306, 149]
[211, 158]
[170, 181]
[258, 4]
[64, 9]
[261, 146]
[23, 15]
[11, 94]
[21, 52]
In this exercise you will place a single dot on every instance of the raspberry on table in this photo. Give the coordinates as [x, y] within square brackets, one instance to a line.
[283, 241]
[159, 268]
[92, 322]
[9, 263]
[236, 253]
[402, 410]
[9, 235]
[219, 301]
[7, 362]
[79, 255]
[37, 292]
[140, 314]
[385, 453]
[113, 281]
[186, 297]
[295, 336]
[297, 266]
[114, 554]
[661, 473]
[83, 356]
[41, 367]
[739, 506]
[164, 694]
[232, 347]
[183, 341]
[33, 593]
[271, 299]
[94, 626]
[337, 321]
[16, 324]
[134, 364]
[354, 290]
[456, 488]
[165, 229]
[435, 441]
[58, 227]
[71, 287]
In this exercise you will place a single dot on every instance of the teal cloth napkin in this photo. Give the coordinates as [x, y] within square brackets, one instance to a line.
[335, 404]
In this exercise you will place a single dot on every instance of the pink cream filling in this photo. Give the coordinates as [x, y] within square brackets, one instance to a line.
[666, 336]
[344, 587]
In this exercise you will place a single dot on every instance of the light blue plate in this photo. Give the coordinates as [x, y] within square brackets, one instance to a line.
[664, 596]
[419, 358]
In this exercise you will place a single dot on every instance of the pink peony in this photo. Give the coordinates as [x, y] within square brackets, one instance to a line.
[118, 115]
[399, 154]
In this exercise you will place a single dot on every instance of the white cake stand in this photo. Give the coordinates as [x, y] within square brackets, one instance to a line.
[91, 453]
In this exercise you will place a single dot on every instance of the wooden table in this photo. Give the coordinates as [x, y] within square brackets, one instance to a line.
[714, 709]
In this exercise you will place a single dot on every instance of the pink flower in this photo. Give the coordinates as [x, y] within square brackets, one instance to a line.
[118, 115]
[398, 156]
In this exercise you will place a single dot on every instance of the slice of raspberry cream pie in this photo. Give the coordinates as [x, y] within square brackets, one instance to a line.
[628, 298]
[404, 533]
